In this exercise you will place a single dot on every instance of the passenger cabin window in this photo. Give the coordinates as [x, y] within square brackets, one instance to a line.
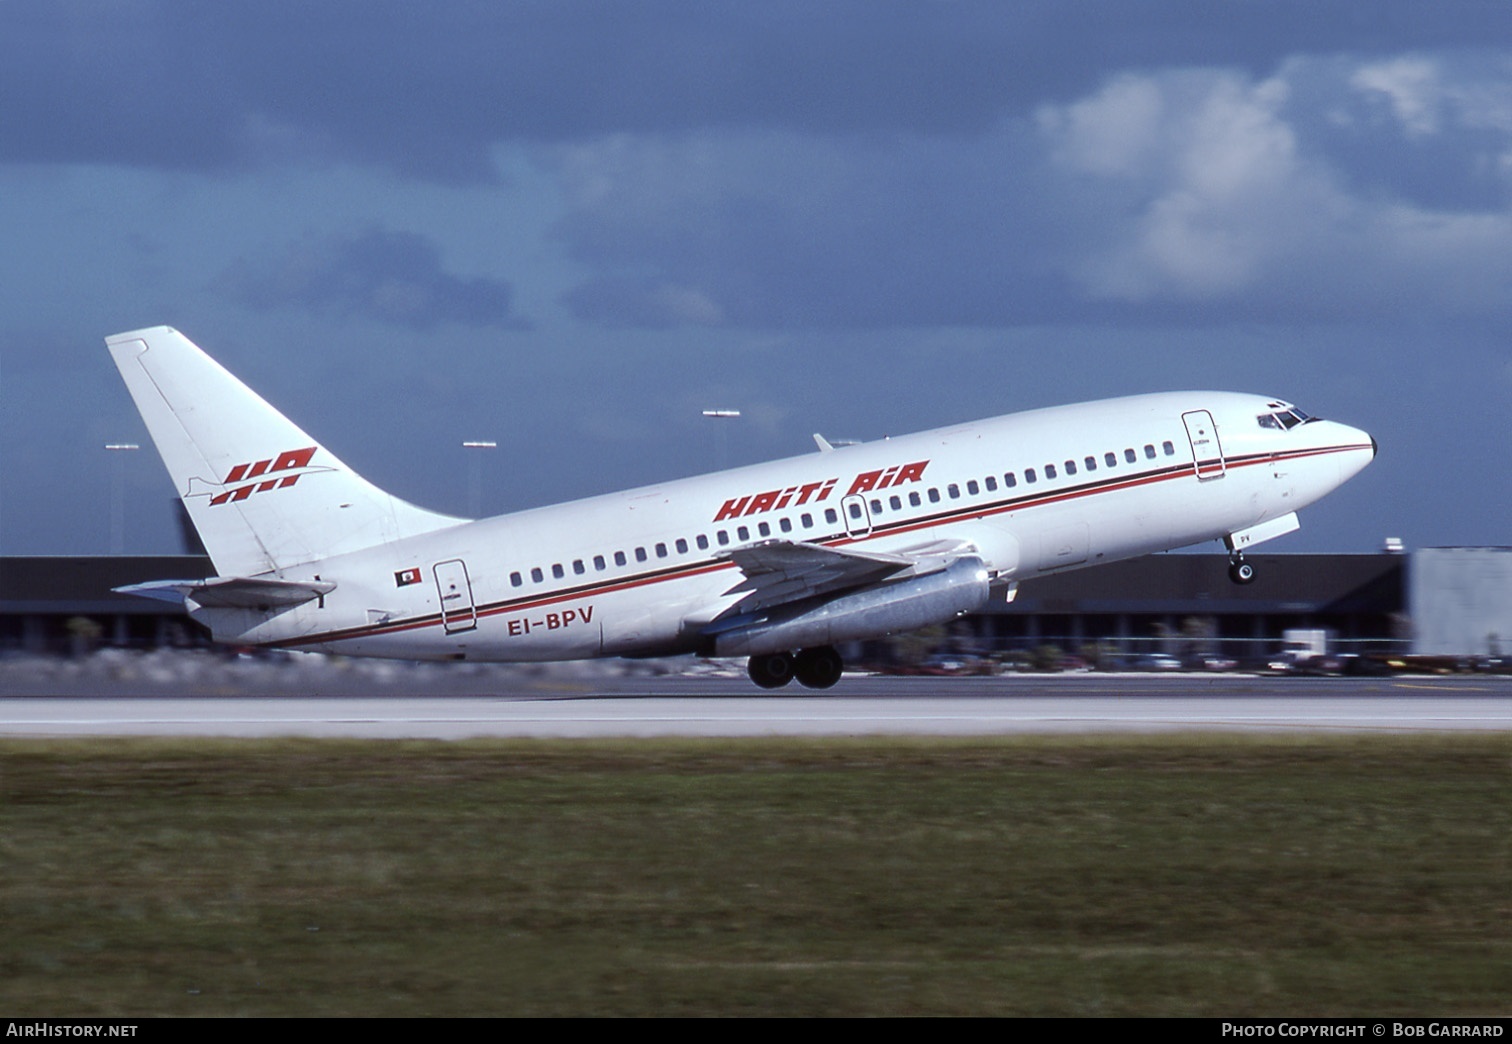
[1070, 467]
[661, 550]
[640, 554]
[1010, 480]
[762, 529]
[785, 524]
[934, 495]
[1049, 471]
[1091, 463]
[991, 484]
[914, 500]
[557, 571]
[578, 567]
[681, 545]
[972, 487]
[1168, 449]
[742, 533]
[1149, 452]
[598, 563]
[536, 575]
[619, 558]
[830, 516]
[1129, 456]
[1110, 459]
[954, 491]
[1028, 476]
[702, 542]
[515, 579]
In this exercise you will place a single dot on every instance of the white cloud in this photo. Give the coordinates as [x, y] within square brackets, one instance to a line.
[1219, 180]
[1221, 191]
[1411, 86]
[1435, 97]
[1115, 132]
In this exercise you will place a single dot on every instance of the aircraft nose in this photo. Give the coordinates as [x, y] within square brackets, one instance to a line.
[1355, 440]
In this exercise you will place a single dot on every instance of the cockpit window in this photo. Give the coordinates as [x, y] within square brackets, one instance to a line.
[1285, 418]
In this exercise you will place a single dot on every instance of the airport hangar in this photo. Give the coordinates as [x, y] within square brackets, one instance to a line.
[1435, 601]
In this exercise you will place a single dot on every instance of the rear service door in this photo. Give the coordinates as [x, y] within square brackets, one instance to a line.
[452, 584]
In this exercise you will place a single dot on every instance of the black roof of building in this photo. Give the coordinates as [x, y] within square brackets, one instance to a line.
[82, 584]
[1189, 583]
[1169, 583]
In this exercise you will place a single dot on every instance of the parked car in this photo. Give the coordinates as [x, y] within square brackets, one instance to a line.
[1155, 662]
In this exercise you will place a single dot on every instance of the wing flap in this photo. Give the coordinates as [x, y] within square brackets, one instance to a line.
[780, 571]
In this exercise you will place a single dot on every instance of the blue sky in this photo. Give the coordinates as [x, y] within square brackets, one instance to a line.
[569, 227]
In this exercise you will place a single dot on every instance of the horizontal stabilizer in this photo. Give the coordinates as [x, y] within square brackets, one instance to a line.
[232, 592]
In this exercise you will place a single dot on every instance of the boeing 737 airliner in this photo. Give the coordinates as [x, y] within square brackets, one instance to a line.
[777, 562]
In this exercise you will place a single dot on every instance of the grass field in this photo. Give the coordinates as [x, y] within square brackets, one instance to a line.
[1199, 875]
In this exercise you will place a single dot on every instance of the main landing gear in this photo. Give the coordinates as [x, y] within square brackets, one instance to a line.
[817, 668]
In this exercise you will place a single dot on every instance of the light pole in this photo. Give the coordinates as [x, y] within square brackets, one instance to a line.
[475, 474]
[118, 495]
[724, 440]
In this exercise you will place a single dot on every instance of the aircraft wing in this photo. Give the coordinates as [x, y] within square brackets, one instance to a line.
[781, 571]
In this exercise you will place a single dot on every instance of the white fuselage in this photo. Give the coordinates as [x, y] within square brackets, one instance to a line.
[641, 572]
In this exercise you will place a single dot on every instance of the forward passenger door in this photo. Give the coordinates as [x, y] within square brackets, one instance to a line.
[1207, 452]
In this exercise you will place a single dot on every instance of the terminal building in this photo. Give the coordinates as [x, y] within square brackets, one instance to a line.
[1443, 601]
[1461, 600]
[1185, 605]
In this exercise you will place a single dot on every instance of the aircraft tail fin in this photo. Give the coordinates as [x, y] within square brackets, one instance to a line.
[263, 495]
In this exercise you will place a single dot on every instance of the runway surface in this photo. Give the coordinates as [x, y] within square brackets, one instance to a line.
[694, 706]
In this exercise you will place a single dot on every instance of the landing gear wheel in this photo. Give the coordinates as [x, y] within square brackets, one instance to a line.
[772, 671]
[1241, 572]
[818, 668]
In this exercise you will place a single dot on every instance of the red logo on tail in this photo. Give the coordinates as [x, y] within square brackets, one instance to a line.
[279, 472]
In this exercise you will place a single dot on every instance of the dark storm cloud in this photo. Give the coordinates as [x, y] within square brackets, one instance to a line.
[1182, 195]
[856, 163]
[771, 230]
[428, 88]
[390, 277]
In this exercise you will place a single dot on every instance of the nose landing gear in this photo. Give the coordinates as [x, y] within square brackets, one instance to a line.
[1240, 571]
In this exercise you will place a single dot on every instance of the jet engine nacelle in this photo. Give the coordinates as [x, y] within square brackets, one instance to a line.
[903, 605]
